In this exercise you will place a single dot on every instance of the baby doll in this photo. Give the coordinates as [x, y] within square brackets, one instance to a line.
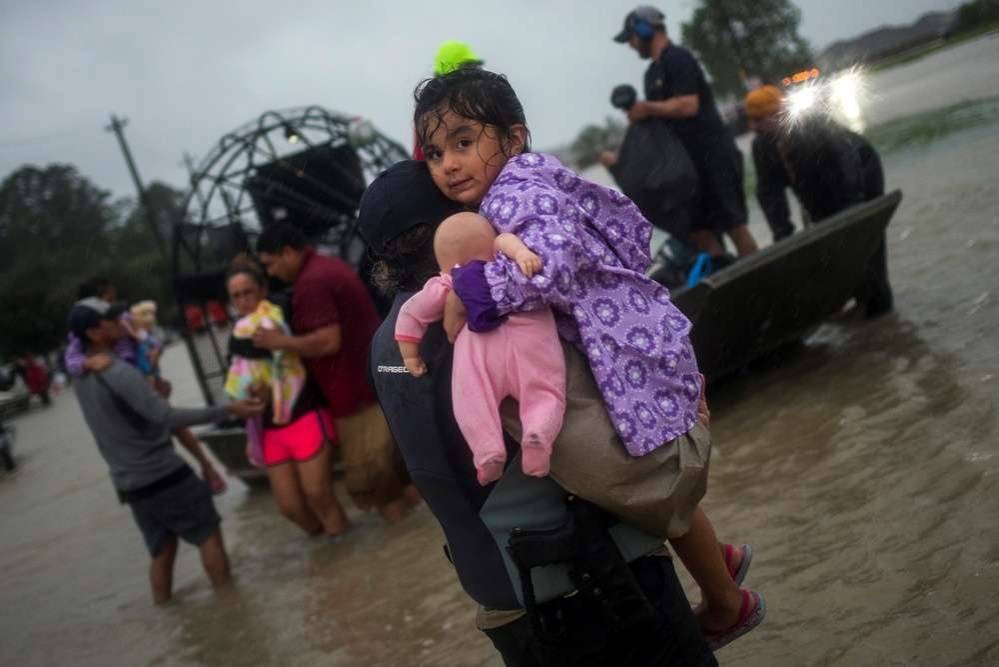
[521, 359]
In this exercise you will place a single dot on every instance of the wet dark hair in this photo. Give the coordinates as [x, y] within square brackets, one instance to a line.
[280, 235]
[470, 92]
[246, 265]
[407, 261]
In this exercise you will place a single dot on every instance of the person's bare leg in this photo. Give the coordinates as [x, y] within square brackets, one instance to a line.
[744, 242]
[701, 555]
[214, 559]
[706, 241]
[317, 484]
[287, 491]
[161, 571]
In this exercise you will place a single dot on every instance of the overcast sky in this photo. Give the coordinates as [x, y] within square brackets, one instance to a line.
[184, 72]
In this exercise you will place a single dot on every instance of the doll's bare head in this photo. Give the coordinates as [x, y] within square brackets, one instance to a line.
[462, 238]
[144, 314]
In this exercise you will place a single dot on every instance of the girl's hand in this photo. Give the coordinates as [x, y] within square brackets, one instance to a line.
[528, 262]
[455, 316]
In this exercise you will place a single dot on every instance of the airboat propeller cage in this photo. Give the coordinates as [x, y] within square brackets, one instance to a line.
[308, 166]
[623, 97]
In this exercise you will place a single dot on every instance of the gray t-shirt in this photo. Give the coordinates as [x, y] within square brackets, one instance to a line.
[132, 423]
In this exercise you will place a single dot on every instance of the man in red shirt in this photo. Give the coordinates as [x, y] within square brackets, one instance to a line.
[334, 320]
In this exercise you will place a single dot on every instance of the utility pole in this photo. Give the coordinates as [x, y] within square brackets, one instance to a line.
[118, 127]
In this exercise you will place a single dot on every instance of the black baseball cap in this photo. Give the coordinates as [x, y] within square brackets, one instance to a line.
[400, 198]
[650, 15]
[88, 314]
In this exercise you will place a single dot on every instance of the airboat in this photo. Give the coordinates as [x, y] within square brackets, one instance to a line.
[311, 165]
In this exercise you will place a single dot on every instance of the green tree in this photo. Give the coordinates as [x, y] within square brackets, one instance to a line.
[58, 229]
[55, 227]
[144, 272]
[737, 39]
[592, 139]
[975, 14]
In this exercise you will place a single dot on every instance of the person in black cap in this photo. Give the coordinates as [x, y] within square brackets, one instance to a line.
[588, 605]
[677, 91]
[131, 424]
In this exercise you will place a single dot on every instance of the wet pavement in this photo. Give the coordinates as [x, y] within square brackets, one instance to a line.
[863, 467]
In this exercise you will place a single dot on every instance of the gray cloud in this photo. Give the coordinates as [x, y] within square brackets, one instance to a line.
[184, 73]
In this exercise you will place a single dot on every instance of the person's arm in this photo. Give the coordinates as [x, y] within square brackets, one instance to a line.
[771, 188]
[680, 106]
[320, 318]
[683, 73]
[323, 342]
[514, 248]
[829, 173]
[129, 386]
[490, 290]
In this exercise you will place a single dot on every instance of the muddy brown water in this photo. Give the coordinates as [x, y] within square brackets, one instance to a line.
[863, 467]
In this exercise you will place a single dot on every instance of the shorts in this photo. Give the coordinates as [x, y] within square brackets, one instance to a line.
[300, 440]
[373, 470]
[720, 203]
[183, 510]
[656, 493]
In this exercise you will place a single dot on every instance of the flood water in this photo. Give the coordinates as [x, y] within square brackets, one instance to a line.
[864, 469]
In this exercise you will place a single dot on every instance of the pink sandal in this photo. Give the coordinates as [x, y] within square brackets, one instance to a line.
[738, 574]
[751, 614]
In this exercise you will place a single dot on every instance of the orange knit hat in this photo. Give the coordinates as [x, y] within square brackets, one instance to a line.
[763, 101]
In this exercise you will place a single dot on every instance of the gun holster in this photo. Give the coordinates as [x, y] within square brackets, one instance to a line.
[595, 565]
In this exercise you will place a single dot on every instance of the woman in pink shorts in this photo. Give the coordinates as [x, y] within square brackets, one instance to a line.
[296, 454]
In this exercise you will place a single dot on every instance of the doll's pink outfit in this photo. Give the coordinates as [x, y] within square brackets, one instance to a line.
[522, 359]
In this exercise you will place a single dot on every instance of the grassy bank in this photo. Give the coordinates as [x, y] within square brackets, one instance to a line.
[924, 50]
[928, 126]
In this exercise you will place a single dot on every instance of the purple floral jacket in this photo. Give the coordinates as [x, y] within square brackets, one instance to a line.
[594, 244]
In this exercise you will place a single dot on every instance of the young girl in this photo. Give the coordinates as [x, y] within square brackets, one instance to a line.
[594, 246]
[295, 438]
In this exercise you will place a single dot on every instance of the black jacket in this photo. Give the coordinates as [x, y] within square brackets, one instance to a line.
[476, 520]
[828, 167]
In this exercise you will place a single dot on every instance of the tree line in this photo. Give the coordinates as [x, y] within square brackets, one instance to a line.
[58, 229]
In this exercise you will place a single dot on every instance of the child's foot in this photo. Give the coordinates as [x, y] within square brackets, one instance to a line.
[752, 611]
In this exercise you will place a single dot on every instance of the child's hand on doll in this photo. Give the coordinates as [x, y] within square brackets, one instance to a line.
[528, 262]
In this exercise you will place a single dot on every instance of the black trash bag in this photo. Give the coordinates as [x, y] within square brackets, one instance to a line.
[655, 171]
